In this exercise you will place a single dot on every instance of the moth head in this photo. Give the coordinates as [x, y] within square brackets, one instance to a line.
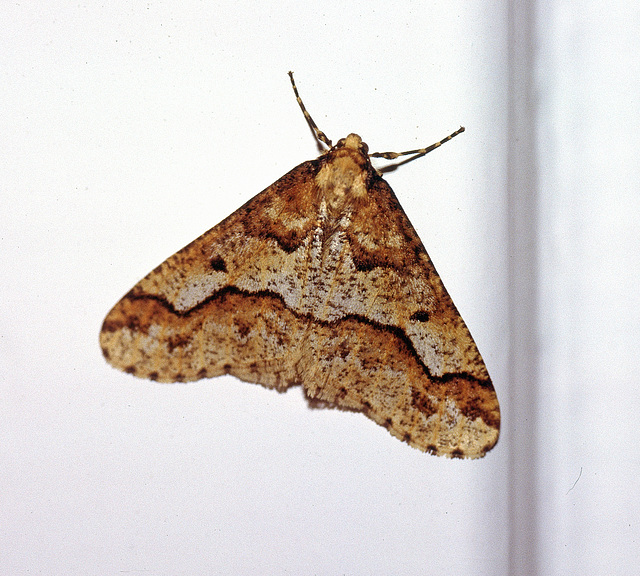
[353, 142]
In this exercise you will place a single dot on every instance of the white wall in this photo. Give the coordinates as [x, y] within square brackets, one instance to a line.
[128, 130]
[589, 323]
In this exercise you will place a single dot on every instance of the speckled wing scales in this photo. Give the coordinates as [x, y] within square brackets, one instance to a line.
[319, 280]
[216, 306]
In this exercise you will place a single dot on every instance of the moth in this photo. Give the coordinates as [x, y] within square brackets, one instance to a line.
[320, 281]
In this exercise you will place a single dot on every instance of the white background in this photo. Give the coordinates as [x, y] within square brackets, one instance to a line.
[128, 129]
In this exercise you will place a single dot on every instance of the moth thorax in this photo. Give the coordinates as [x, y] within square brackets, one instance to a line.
[342, 180]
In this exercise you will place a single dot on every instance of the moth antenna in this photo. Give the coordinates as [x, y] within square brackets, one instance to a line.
[319, 134]
[419, 152]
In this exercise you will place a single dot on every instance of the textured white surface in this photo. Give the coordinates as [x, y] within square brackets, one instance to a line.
[127, 131]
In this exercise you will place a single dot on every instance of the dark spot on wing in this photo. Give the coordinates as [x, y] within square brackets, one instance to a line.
[420, 316]
[218, 264]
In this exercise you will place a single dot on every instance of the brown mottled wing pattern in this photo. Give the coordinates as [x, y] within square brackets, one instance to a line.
[319, 280]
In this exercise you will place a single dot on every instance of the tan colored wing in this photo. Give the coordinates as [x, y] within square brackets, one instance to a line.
[221, 304]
